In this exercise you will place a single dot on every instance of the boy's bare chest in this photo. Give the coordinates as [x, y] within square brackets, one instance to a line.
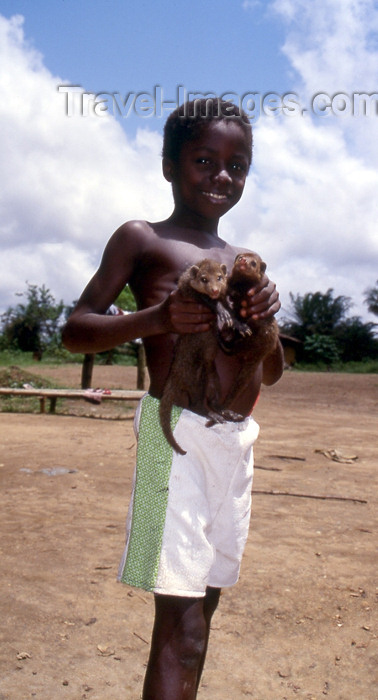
[165, 257]
[169, 256]
[163, 268]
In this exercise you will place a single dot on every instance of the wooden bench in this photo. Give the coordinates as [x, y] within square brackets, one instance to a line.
[54, 394]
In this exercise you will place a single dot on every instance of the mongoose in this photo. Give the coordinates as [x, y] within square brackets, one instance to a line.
[192, 379]
[254, 340]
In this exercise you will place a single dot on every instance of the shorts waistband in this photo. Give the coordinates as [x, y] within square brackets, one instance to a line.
[198, 418]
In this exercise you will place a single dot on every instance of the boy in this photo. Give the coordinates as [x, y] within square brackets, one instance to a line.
[188, 521]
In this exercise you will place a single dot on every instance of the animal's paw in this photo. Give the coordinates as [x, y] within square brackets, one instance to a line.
[244, 330]
[224, 317]
[229, 415]
[223, 416]
[214, 418]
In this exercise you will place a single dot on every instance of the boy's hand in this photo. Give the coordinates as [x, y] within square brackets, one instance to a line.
[262, 301]
[186, 315]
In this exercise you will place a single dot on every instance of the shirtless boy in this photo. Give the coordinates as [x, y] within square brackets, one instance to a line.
[188, 539]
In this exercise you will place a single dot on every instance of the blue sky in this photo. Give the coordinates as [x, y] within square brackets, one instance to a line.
[116, 46]
[310, 204]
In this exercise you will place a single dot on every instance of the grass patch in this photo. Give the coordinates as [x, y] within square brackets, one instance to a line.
[14, 377]
[25, 359]
[365, 367]
[62, 357]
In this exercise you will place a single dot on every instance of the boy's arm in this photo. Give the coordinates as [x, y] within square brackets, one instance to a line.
[88, 329]
[273, 366]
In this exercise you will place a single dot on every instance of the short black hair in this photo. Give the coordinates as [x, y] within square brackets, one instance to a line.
[186, 122]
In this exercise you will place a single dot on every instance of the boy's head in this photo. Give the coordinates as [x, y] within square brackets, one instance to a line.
[187, 121]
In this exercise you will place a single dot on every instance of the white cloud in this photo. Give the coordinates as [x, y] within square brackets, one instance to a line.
[66, 182]
[331, 44]
[333, 48]
[310, 205]
[312, 198]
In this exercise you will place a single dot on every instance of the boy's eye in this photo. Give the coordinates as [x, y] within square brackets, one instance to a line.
[239, 167]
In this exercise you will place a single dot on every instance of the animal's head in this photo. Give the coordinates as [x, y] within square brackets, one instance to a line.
[249, 265]
[209, 277]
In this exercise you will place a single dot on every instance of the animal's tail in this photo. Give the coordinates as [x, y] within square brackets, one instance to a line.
[165, 422]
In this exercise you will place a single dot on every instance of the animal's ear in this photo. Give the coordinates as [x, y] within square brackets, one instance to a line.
[193, 270]
[224, 269]
[262, 267]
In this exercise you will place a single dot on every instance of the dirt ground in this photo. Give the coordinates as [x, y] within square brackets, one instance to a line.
[301, 623]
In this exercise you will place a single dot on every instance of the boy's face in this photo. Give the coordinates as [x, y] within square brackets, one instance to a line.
[209, 178]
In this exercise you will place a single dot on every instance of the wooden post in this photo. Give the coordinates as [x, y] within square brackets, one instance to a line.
[53, 401]
[87, 370]
[141, 374]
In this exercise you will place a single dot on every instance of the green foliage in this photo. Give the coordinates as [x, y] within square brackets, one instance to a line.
[33, 325]
[315, 313]
[319, 321]
[126, 300]
[356, 340]
[371, 298]
[321, 348]
[365, 367]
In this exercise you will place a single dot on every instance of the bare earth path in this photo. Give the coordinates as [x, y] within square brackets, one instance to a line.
[301, 623]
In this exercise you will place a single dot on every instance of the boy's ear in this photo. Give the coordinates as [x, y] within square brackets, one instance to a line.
[168, 169]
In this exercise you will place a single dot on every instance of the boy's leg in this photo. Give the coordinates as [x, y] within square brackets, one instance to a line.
[178, 646]
[210, 604]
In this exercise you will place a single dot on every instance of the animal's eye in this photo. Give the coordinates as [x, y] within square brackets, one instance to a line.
[253, 263]
[204, 279]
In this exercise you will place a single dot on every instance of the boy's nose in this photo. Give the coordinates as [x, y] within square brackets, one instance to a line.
[222, 175]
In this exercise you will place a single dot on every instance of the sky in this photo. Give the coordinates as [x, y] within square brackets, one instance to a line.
[85, 88]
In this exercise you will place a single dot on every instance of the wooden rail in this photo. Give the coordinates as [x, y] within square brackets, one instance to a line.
[53, 394]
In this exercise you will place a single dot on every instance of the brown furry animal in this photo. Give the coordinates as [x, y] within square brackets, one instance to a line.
[254, 340]
[193, 380]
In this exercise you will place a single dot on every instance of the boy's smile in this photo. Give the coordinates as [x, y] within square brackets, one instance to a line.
[210, 175]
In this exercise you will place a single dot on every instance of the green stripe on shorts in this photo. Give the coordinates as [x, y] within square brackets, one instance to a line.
[154, 461]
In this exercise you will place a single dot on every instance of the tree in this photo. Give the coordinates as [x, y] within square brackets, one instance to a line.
[33, 325]
[321, 348]
[356, 340]
[319, 321]
[315, 313]
[371, 298]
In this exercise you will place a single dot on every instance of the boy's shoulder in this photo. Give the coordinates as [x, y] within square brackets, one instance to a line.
[141, 229]
[135, 227]
[134, 235]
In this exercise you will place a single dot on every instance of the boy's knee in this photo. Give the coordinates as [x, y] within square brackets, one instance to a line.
[181, 627]
[190, 642]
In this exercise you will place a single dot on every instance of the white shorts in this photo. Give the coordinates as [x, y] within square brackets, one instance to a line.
[189, 514]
